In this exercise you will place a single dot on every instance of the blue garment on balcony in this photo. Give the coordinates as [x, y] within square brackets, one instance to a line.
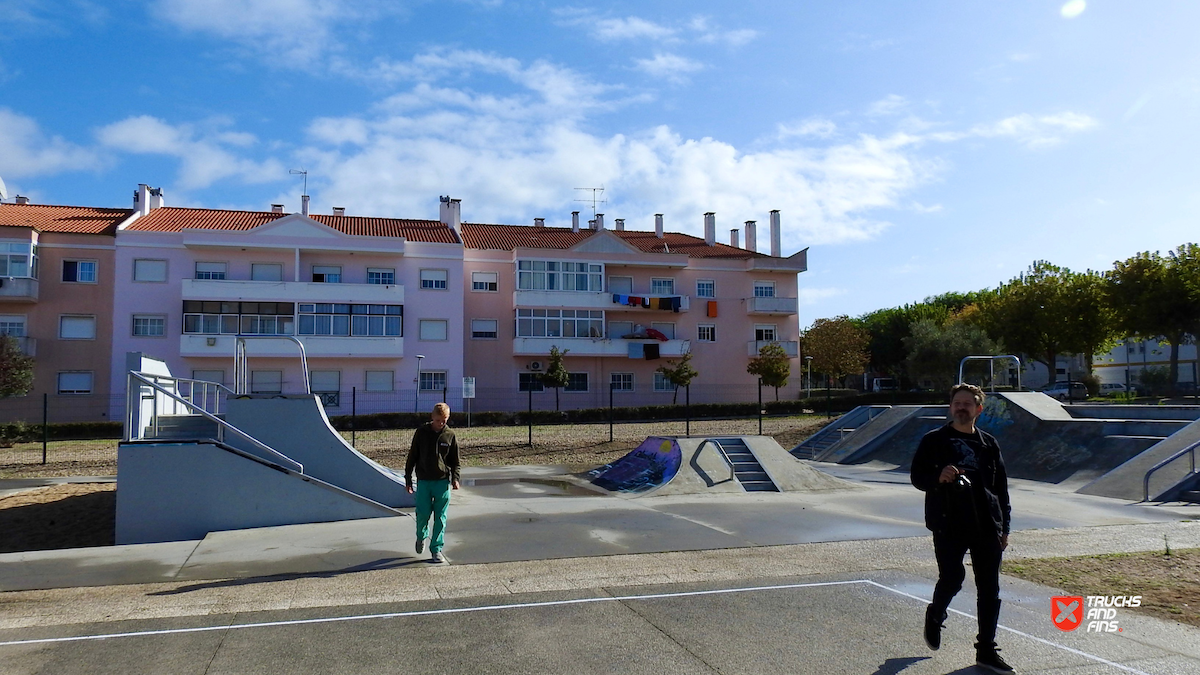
[637, 350]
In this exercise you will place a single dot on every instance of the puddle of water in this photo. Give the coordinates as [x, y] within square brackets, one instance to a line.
[564, 487]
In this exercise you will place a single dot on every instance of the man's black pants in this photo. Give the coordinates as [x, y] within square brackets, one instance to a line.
[985, 559]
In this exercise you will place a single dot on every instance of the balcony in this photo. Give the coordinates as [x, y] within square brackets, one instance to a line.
[772, 305]
[562, 299]
[314, 346]
[790, 346]
[685, 303]
[619, 348]
[18, 289]
[291, 291]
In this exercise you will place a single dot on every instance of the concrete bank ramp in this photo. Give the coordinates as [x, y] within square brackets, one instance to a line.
[298, 427]
[1126, 481]
[182, 491]
[872, 434]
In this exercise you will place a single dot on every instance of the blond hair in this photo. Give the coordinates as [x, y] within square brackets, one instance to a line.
[976, 392]
[441, 410]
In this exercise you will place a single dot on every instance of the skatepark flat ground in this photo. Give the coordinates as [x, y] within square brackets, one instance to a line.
[630, 585]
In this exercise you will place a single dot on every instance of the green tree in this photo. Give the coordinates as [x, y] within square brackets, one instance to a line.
[1089, 319]
[838, 347]
[16, 369]
[934, 352]
[556, 374]
[772, 366]
[679, 373]
[887, 328]
[1028, 314]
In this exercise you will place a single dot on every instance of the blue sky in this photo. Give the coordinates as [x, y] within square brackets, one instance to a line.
[916, 148]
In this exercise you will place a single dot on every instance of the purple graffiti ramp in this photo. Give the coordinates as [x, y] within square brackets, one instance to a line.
[651, 465]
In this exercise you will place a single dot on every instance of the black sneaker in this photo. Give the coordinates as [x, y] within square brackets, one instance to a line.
[420, 545]
[990, 660]
[933, 628]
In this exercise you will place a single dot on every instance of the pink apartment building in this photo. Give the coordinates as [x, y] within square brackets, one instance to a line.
[56, 298]
[621, 302]
[371, 299]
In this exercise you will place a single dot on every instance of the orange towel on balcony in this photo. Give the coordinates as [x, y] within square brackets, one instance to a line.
[712, 307]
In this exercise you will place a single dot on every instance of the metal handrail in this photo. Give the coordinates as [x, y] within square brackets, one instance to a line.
[221, 424]
[205, 386]
[992, 363]
[1146, 481]
[240, 372]
[721, 452]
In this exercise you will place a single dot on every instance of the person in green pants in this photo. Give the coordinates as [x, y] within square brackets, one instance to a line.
[434, 458]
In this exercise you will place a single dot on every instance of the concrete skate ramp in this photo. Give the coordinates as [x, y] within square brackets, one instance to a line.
[297, 427]
[1126, 480]
[647, 467]
[871, 434]
[182, 491]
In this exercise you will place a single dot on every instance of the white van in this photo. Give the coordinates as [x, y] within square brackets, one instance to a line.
[883, 384]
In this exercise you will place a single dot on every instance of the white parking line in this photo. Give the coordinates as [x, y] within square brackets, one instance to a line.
[548, 603]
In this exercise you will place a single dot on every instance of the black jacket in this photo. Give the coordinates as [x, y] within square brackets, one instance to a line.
[433, 455]
[978, 455]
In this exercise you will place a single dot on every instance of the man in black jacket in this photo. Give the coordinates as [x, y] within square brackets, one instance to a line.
[434, 457]
[961, 472]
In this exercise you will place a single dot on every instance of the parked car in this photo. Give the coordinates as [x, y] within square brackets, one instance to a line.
[1066, 391]
[1114, 388]
[883, 384]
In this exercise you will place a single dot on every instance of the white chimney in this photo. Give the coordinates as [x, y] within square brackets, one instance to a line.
[156, 198]
[620, 224]
[776, 248]
[599, 221]
[592, 224]
[752, 236]
[22, 199]
[658, 226]
[574, 221]
[277, 208]
[539, 222]
[339, 210]
[733, 237]
[710, 228]
[450, 213]
[141, 199]
[304, 205]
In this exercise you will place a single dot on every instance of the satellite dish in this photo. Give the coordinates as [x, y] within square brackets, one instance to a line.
[3, 190]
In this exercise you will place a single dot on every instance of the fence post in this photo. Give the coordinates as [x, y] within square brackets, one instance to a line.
[353, 416]
[530, 415]
[45, 424]
[687, 407]
[444, 394]
[611, 387]
[760, 406]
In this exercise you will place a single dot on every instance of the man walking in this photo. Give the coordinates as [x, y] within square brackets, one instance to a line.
[434, 457]
[961, 472]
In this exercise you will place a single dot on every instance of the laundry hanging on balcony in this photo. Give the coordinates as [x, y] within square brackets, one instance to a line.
[651, 351]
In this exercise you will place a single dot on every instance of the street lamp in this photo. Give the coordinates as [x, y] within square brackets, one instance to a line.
[809, 359]
[417, 395]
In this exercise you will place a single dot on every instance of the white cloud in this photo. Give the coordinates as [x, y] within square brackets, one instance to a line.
[205, 155]
[812, 296]
[890, 105]
[26, 151]
[668, 66]
[1032, 131]
[699, 29]
[706, 33]
[813, 126]
[630, 28]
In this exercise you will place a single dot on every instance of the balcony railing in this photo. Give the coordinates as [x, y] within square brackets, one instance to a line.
[540, 346]
[291, 291]
[772, 305]
[18, 289]
[314, 345]
[563, 299]
[792, 347]
[652, 302]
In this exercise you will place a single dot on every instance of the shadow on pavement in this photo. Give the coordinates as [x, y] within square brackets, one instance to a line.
[381, 564]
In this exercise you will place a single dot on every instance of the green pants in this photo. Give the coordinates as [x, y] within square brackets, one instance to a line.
[433, 498]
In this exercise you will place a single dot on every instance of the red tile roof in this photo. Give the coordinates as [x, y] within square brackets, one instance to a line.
[70, 219]
[508, 237]
[175, 219]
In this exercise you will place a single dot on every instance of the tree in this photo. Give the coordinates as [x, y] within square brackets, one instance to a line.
[1089, 319]
[934, 351]
[556, 374]
[887, 328]
[16, 369]
[772, 366]
[1029, 314]
[838, 347]
[679, 373]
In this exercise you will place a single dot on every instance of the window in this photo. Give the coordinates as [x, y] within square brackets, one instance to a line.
[210, 270]
[12, 325]
[434, 329]
[618, 329]
[327, 384]
[661, 383]
[662, 286]
[149, 325]
[150, 270]
[576, 382]
[560, 323]
[213, 317]
[667, 329]
[378, 275]
[217, 376]
[346, 319]
[484, 329]
[433, 380]
[764, 333]
[75, 383]
[381, 380]
[530, 382]
[706, 288]
[620, 285]
[552, 275]
[706, 332]
[434, 279]
[79, 271]
[764, 289]
[327, 274]
[18, 259]
[266, 272]
[77, 327]
[266, 381]
[485, 281]
[621, 381]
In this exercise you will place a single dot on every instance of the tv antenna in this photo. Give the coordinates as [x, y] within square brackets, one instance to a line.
[301, 172]
[595, 200]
